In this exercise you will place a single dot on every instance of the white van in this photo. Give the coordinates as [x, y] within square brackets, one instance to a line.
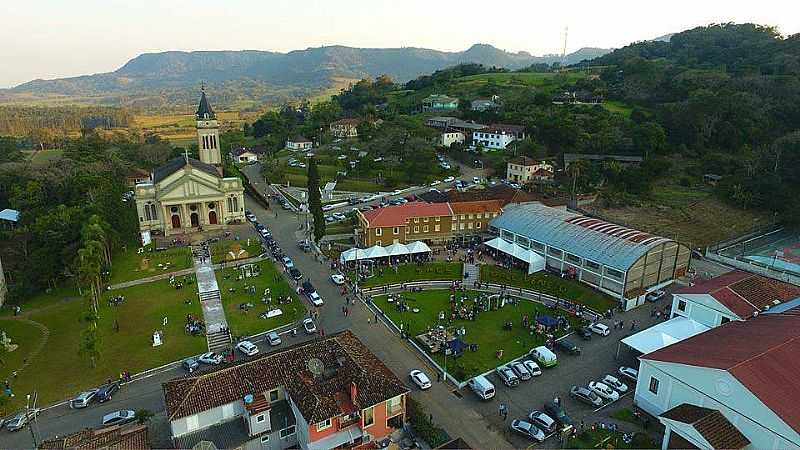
[482, 387]
[544, 356]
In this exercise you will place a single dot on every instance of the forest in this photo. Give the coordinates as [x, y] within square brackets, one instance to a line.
[19, 120]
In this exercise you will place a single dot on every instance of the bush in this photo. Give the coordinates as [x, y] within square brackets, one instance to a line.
[423, 426]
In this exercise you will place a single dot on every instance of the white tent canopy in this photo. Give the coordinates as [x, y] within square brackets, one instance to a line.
[418, 247]
[663, 334]
[376, 252]
[397, 249]
[353, 254]
[535, 261]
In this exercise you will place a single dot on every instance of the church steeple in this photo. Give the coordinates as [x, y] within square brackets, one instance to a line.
[208, 132]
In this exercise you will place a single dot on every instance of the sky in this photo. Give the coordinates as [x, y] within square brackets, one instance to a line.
[61, 38]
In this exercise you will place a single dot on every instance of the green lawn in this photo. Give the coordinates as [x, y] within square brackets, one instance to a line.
[248, 323]
[487, 331]
[59, 372]
[608, 439]
[625, 415]
[549, 284]
[414, 272]
[128, 265]
[219, 250]
[24, 334]
[526, 78]
[618, 107]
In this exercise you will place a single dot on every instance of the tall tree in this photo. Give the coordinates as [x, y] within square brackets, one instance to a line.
[315, 200]
[90, 343]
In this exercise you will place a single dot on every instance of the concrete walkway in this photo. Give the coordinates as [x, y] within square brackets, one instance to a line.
[217, 335]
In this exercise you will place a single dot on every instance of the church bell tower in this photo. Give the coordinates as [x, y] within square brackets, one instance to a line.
[208, 133]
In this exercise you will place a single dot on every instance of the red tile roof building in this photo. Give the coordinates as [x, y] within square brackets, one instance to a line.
[409, 222]
[125, 437]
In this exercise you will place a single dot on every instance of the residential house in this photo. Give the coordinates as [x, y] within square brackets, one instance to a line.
[415, 221]
[472, 218]
[482, 105]
[528, 170]
[345, 128]
[453, 123]
[326, 393]
[117, 437]
[136, 176]
[439, 103]
[299, 143]
[734, 386]
[497, 137]
[734, 296]
[248, 155]
[449, 138]
[518, 131]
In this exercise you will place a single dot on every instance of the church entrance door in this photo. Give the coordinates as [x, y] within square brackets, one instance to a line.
[212, 217]
[195, 220]
[176, 221]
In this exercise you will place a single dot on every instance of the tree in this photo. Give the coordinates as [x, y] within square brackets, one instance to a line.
[577, 169]
[315, 200]
[143, 416]
[89, 346]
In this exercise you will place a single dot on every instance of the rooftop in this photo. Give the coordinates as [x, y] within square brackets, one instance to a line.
[477, 206]
[503, 192]
[762, 353]
[178, 163]
[602, 242]
[745, 293]
[125, 437]
[395, 216]
[350, 122]
[525, 161]
[709, 423]
[204, 107]
[299, 139]
[346, 361]
[11, 215]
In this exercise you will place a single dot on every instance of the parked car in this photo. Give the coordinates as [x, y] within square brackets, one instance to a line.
[629, 373]
[329, 219]
[295, 274]
[612, 381]
[304, 245]
[585, 333]
[315, 299]
[337, 278]
[247, 347]
[544, 356]
[556, 411]
[435, 182]
[542, 421]
[83, 399]
[328, 207]
[118, 417]
[287, 262]
[449, 179]
[568, 346]
[21, 419]
[655, 296]
[476, 180]
[532, 367]
[482, 387]
[420, 379]
[585, 395]
[273, 339]
[600, 328]
[106, 391]
[604, 391]
[265, 233]
[339, 216]
[508, 376]
[309, 327]
[190, 364]
[251, 217]
[527, 429]
[210, 358]
[520, 370]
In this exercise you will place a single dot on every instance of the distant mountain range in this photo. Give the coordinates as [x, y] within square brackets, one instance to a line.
[252, 77]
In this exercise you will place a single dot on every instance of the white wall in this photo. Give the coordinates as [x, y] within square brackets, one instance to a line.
[207, 418]
[701, 308]
[716, 389]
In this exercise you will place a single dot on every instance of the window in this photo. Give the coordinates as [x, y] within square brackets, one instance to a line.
[324, 424]
[438, 219]
[416, 228]
[286, 432]
[425, 229]
[396, 230]
[437, 228]
[478, 216]
[378, 231]
[592, 265]
[682, 305]
[147, 212]
[453, 227]
[461, 226]
[378, 242]
[416, 219]
[394, 405]
[477, 224]
[554, 252]
[463, 217]
[369, 416]
[653, 385]
[273, 395]
[406, 230]
[425, 220]
[265, 439]
[469, 225]
[573, 258]
[259, 418]
[470, 217]
[614, 273]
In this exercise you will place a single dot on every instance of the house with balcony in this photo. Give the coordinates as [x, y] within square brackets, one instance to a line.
[322, 394]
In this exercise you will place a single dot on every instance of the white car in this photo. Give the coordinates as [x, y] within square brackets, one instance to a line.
[612, 381]
[309, 327]
[420, 379]
[210, 358]
[521, 371]
[287, 262]
[532, 367]
[629, 373]
[247, 347]
[274, 339]
[315, 299]
[435, 182]
[119, 417]
[251, 217]
[337, 279]
[604, 391]
[476, 180]
[449, 179]
[328, 207]
[600, 329]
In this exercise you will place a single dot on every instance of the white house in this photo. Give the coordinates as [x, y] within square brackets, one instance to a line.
[492, 139]
[299, 143]
[734, 386]
[449, 138]
[528, 170]
[733, 296]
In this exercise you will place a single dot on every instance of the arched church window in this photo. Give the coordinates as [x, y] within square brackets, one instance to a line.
[193, 208]
[212, 205]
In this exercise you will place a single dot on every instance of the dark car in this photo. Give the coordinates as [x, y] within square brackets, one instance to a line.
[308, 287]
[585, 333]
[295, 273]
[105, 392]
[259, 227]
[569, 347]
[558, 414]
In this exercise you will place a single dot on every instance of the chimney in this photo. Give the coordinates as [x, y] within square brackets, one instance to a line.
[353, 392]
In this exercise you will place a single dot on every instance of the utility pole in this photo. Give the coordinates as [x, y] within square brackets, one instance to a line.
[31, 422]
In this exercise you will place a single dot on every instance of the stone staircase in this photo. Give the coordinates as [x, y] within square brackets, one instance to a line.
[472, 273]
[210, 296]
[219, 341]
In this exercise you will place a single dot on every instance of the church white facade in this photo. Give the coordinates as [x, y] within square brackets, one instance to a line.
[187, 195]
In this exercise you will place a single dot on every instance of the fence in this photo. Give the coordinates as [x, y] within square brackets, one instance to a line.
[716, 253]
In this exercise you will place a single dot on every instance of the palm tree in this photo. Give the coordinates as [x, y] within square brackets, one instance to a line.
[90, 259]
[577, 169]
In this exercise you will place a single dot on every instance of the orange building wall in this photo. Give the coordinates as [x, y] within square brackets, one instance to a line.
[314, 435]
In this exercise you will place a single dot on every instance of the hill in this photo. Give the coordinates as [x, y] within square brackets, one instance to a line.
[249, 77]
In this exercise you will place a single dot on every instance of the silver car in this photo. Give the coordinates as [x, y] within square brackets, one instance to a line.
[274, 339]
[83, 399]
[21, 419]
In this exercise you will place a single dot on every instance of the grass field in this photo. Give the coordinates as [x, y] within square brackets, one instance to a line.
[176, 127]
[59, 372]
[219, 250]
[129, 265]
[414, 272]
[549, 284]
[487, 330]
[618, 107]
[247, 323]
[43, 157]
[608, 439]
[526, 78]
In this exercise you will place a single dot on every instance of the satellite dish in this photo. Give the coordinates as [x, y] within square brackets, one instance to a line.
[248, 398]
[315, 366]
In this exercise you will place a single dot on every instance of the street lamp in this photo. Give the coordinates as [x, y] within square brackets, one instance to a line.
[28, 405]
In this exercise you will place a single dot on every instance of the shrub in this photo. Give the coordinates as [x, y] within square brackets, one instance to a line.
[423, 426]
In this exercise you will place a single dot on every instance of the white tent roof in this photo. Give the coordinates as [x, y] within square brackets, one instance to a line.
[418, 247]
[663, 334]
[353, 254]
[397, 249]
[11, 215]
[376, 252]
[535, 261]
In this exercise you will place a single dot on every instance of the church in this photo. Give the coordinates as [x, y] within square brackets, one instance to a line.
[187, 195]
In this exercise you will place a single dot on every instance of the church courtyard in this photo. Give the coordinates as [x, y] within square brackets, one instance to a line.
[231, 249]
[129, 264]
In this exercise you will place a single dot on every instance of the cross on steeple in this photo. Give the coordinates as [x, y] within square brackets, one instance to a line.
[186, 155]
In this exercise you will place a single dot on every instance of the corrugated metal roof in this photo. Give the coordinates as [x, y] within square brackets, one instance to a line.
[602, 242]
